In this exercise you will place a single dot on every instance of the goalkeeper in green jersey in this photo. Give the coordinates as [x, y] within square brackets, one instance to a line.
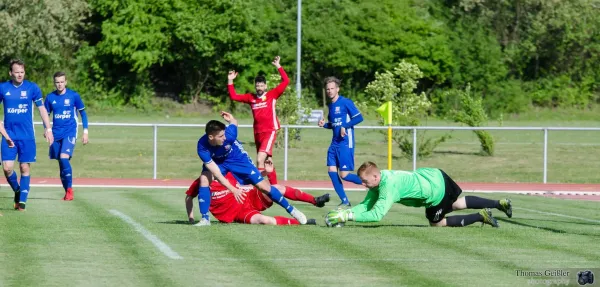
[431, 188]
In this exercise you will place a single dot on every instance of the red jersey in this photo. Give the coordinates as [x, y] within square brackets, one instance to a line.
[223, 205]
[263, 108]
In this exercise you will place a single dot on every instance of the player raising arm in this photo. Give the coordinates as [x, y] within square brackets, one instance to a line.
[221, 152]
[343, 116]
[64, 103]
[266, 122]
[18, 96]
[431, 188]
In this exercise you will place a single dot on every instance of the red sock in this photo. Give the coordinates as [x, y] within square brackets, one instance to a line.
[272, 176]
[298, 195]
[286, 221]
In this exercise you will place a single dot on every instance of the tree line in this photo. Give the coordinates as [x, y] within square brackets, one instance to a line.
[514, 54]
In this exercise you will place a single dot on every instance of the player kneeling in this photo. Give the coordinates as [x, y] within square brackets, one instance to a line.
[225, 208]
[431, 188]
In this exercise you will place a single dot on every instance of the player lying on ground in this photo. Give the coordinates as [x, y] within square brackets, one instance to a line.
[225, 208]
[431, 188]
[262, 104]
[221, 152]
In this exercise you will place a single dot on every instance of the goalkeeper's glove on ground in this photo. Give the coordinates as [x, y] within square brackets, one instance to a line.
[338, 216]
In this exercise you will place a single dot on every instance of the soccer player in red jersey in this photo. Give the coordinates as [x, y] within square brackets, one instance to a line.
[225, 208]
[266, 122]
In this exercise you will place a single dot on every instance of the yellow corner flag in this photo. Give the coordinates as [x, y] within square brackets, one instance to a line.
[385, 111]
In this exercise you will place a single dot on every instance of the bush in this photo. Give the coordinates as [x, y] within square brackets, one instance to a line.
[472, 113]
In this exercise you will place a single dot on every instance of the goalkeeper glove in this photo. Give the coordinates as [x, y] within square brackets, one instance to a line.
[338, 216]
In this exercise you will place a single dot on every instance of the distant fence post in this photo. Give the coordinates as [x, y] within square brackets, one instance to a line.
[414, 149]
[545, 155]
[285, 153]
[155, 151]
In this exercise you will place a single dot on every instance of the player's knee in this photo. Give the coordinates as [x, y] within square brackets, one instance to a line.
[64, 155]
[440, 223]
[24, 169]
[332, 169]
[205, 179]
[344, 173]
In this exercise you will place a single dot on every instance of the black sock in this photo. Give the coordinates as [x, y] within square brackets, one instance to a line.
[475, 202]
[463, 220]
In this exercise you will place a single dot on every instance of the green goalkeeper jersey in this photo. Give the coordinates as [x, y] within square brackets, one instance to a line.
[423, 187]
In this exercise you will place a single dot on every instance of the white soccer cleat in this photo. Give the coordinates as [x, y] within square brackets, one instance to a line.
[203, 222]
[299, 216]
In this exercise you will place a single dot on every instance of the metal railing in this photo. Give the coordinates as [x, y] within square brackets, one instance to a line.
[414, 130]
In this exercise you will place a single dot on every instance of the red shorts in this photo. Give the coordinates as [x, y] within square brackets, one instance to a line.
[265, 142]
[255, 203]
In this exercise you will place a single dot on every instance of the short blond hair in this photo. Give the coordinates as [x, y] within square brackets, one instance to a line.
[367, 166]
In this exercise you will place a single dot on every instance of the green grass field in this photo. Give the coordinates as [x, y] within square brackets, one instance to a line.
[126, 152]
[81, 243]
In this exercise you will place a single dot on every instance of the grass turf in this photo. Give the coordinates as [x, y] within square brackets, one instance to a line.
[81, 243]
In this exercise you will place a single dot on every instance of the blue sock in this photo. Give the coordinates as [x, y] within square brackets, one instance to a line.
[66, 173]
[352, 178]
[204, 200]
[24, 188]
[13, 182]
[338, 186]
[276, 197]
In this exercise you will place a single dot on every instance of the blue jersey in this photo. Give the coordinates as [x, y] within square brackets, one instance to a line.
[231, 150]
[18, 104]
[65, 108]
[340, 113]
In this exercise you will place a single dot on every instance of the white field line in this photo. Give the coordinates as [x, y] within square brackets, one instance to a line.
[558, 214]
[163, 247]
[451, 260]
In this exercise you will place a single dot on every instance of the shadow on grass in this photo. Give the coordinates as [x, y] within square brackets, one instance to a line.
[33, 197]
[185, 222]
[457, 152]
[553, 230]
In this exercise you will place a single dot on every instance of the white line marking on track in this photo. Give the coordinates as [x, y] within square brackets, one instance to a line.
[163, 247]
[558, 214]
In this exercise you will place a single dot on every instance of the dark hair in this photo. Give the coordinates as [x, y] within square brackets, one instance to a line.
[332, 80]
[214, 126]
[260, 79]
[60, 74]
[15, 62]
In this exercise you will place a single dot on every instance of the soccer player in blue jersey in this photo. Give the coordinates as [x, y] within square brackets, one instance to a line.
[343, 116]
[64, 104]
[221, 152]
[17, 96]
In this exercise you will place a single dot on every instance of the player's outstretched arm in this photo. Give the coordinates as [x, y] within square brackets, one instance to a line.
[233, 95]
[285, 81]
[229, 118]
[9, 141]
[216, 171]
[46, 121]
[189, 207]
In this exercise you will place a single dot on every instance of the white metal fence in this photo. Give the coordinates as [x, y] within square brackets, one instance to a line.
[414, 130]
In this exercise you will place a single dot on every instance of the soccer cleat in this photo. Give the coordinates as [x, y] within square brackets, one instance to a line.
[321, 200]
[16, 199]
[203, 222]
[21, 206]
[16, 206]
[68, 194]
[506, 207]
[487, 218]
[298, 215]
[311, 221]
[345, 205]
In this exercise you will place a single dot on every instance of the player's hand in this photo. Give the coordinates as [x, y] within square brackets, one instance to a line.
[49, 137]
[276, 62]
[269, 165]
[9, 142]
[322, 122]
[84, 139]
[337, 216]
[239, 195]
[227, 116]
[232, 75]
[343, 132]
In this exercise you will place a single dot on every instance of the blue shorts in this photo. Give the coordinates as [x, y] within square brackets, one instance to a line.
[341, 156]
[244, 171]
[64, 145]
[25, 149]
